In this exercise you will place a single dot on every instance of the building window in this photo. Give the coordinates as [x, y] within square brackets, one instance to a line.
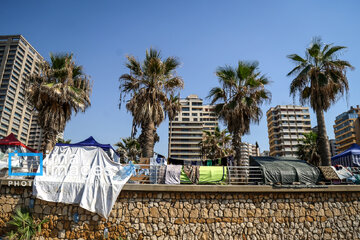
[186, 119]
[21, 50]
[197, 104]
[16, 74]
[185, 114]
[185, 109]
[19, 59]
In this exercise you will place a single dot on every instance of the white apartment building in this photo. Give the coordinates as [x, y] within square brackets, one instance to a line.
[286, 125]
[247, 150]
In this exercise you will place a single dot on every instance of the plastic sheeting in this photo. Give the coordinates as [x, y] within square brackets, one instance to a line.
[286, 171]
[342, 172]
[81, 175]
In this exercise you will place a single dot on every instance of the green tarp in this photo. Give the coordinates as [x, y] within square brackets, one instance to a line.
[286, 171]
[208, 175]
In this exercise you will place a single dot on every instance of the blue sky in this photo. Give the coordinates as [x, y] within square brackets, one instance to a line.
[202, 34]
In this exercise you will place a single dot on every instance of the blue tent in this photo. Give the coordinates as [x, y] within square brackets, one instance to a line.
[348, 158]
[89, 142]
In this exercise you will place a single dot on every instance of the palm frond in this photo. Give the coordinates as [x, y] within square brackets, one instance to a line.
[149, 91]
[59, 90]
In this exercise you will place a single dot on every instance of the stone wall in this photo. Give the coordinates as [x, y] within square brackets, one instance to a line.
[203, 215]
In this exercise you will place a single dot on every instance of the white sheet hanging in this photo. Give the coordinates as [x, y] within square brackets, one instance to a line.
[81, 175]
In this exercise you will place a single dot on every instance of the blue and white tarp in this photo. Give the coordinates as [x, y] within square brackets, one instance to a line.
[348, 158]
[91, 142]
[81, 175]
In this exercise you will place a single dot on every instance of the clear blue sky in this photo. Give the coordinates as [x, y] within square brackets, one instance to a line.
[203, 34]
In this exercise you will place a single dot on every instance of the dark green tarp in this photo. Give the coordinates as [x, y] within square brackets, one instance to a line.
[286, 171]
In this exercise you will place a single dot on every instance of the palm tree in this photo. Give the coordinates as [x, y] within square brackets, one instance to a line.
[239, 98]
[320, 79]
[150, 84]
[129, 148]
[216, 144]
[308, 149]
[60, 89]
[172, 108]
[61, 140]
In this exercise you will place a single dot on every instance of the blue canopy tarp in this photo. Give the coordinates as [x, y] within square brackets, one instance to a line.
[348, 158]
[90, 141]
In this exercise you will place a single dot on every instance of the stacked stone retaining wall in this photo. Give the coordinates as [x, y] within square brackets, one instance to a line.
[198, 215]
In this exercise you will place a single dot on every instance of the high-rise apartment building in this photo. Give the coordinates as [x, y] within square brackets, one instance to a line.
[36, 136]
[286, 126]
[265, 153]
[333, 149]
[347, 129]
[247, 150]
[186, 130]
[17, 61]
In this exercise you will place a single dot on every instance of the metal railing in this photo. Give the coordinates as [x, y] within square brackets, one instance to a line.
[150, 174]
[235, 175]
[244, 175]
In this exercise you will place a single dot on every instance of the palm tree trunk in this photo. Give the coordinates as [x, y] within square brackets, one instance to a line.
[133, 130]
[242, 172]
[236, 142]
[324, 147]
[148, 139]
[49, 141]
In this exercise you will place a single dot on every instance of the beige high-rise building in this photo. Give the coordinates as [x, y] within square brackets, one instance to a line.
[347, 129]
[247, 150]
[286, 126]
[17, 61]
[36, 136]
[186, 130]
[333, 150]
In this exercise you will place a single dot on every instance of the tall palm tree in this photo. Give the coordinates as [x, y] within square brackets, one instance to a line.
[216, 144]
[60, 89]
[308, 149]
[172, 108]
[239, 98]
[150, 84]
[320, 79]
[129, 148]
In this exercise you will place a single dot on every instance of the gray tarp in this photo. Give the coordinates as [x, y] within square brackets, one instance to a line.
[286, 171]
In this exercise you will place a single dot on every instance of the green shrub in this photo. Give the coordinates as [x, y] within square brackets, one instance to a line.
[26, 227]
